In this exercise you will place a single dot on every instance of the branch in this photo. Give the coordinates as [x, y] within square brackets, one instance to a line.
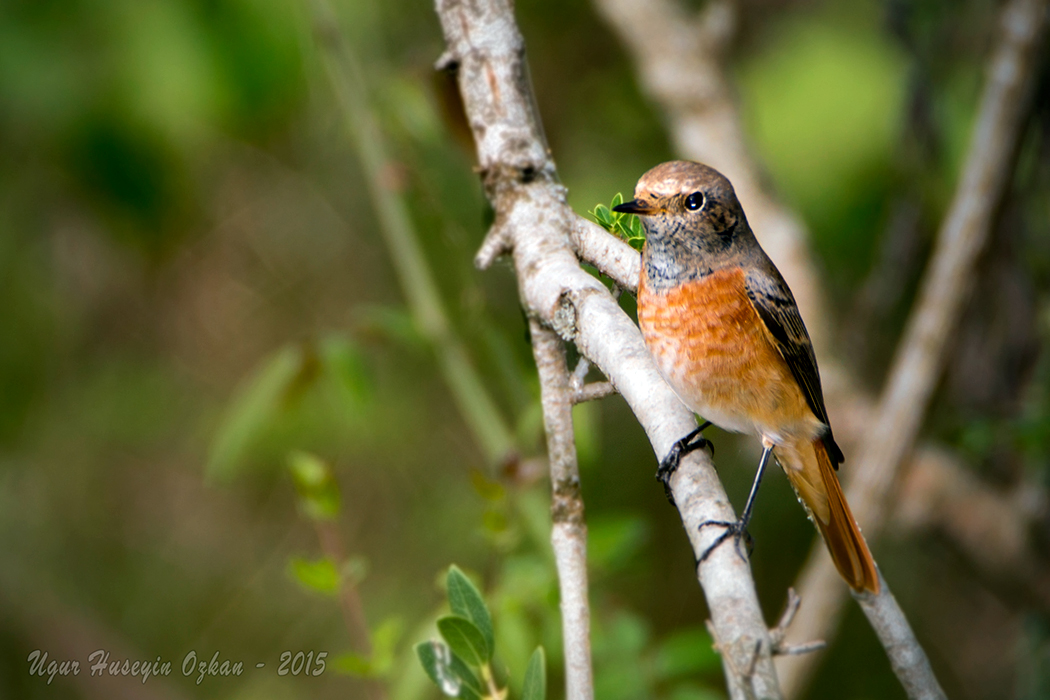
[569, 531]
[534, 221]
[912, 669]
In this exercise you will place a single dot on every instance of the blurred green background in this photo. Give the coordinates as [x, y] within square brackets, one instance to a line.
[193, 285]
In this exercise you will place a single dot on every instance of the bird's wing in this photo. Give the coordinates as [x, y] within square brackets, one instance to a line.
[776, 307]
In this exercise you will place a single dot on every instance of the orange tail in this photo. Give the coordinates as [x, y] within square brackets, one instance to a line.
[848, 549]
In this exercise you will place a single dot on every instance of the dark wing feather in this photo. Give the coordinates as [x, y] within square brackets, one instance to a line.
[776, 307]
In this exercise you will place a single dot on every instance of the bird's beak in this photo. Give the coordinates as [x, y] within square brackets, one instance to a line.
[635, 206]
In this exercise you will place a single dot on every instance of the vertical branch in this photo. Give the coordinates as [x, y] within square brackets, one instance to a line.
[569, 532]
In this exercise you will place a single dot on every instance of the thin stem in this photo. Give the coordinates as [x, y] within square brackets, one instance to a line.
[477, 407]
[569, 532]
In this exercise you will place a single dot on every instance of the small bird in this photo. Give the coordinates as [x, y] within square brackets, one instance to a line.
[726, 334]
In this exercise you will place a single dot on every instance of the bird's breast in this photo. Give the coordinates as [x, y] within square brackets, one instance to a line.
[712, 347]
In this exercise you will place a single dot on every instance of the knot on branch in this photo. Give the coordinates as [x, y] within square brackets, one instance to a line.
[563, 320]
[518, 167]
[566, 503]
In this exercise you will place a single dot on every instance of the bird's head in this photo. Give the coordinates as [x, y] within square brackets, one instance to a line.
[685, 198]
[692, 218]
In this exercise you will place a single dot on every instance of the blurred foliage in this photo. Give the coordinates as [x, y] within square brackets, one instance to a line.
[208, 367]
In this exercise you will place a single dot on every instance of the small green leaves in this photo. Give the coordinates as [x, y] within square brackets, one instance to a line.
[448, 671]
[626, 226]
[468, 647]
[316, 485]
[380, 663]
[466, 601]
[320, 576]
[465, 639]
[535, 684]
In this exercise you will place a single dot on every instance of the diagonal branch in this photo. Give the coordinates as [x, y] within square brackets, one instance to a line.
[535, 223]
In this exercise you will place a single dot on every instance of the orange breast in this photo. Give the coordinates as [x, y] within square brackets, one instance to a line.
[716, 353]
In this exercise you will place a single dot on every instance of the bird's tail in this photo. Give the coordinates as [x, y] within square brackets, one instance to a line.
[819, 489]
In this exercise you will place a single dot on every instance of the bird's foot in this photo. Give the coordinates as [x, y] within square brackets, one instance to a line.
[669, 464]
[735, 529]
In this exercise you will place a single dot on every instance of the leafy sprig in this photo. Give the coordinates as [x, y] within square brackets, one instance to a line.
[460, 663]
[626, 226]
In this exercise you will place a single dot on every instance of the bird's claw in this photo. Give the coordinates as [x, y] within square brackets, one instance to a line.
[669, 464]
[735, 529]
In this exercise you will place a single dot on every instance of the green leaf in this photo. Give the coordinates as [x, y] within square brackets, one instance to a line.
[255, 404]
[534, 687]
[355, 665]
[384, 644]
[343, 361]
[319, 497]
[617, 200]
[381, 661]
[489, 489]
[466, 601]
[636, 228]
[320, 575]
[447, 671]
[465, 639]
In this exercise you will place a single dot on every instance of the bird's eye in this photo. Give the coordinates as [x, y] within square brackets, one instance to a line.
[694, 201]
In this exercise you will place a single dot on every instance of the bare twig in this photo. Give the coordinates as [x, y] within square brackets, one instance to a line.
[569, 531]
[593, 391]
[779, 633]
[581, 391]
[349, 600]
[477, 407]
[913, 670]
[533, 220]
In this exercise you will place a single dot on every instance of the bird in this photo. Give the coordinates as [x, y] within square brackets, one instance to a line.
[727, 336]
